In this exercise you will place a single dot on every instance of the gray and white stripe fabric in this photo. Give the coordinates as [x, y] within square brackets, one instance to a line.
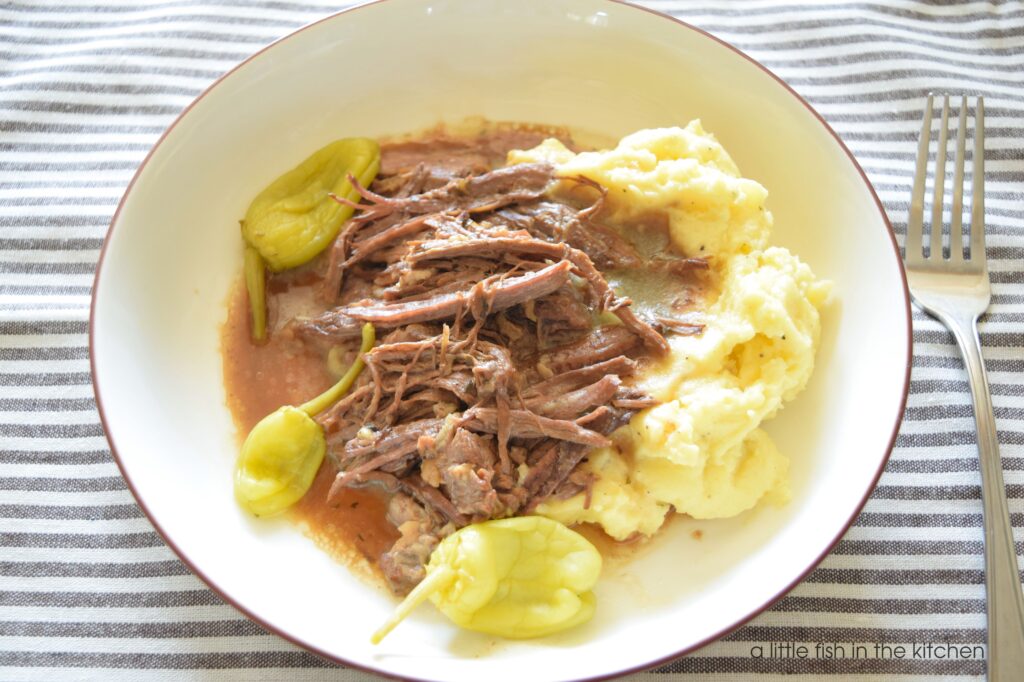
[89, 591]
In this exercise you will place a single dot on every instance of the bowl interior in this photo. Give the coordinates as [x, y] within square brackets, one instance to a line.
[402, 65]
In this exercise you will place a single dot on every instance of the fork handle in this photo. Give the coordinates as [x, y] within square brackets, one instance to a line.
[1002, 576]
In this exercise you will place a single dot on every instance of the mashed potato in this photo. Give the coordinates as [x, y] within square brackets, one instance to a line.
[702, 451]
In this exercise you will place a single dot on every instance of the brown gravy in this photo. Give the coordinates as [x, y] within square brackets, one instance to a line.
[258, 379]
[352, 526]
[656, 293]
[261, 378]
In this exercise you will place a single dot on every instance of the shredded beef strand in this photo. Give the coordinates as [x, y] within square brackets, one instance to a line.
[619, 365]
[572, 404]
[420, 532]
[364, 248]
[331, 284]
[569, 457]
[413, 485]
[331, 327]
[403, 382]
[602, 343]
[391, 442]
[526, 424]
[499, 293]
[634, 403]
[475, 194]
[681, 327]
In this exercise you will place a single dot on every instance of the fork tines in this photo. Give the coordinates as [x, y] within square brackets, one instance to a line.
[914, 246]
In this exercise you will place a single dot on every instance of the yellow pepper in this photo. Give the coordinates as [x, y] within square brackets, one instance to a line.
[281, 455]
[521, 577]
[295, 218]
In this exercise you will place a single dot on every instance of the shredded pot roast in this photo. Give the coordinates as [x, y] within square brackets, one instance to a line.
[504, 355]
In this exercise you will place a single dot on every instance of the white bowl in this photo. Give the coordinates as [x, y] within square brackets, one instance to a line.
[400, 65]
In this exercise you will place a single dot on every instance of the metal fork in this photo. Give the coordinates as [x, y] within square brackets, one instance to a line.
[956, 291]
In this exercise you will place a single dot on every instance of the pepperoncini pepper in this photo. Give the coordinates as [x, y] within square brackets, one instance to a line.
[295, 218]
[520, 577]
[281, 455]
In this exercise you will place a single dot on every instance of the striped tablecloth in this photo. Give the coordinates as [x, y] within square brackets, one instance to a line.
[89, 591]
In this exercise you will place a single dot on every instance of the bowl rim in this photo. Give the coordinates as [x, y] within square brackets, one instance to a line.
[335, 658]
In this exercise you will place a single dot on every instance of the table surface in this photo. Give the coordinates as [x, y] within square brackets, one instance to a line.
[89, 591]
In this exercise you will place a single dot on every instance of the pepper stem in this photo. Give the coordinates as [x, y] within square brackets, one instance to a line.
[256, 285]
[334, 393]
[436, 580]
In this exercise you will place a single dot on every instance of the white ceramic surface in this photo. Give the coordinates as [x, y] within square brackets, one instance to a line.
[174, 250]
